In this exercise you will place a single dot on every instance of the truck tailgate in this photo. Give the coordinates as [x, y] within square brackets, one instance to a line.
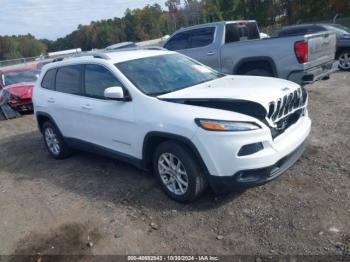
[321, 48]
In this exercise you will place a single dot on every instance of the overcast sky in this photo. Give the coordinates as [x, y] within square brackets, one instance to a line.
[56, 18]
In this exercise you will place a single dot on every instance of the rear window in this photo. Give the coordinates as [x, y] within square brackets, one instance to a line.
[241, 31]
[68, 79]
[191, 39]
[49, 79]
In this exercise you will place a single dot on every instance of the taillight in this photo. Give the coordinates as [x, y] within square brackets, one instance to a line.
[1, 99]
[301, 51]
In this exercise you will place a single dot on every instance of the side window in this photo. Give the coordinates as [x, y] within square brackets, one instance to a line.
[97, 79]
[202, 37]
[231, 34]
[49, 79]
[68, 79]
[178, 42]
[241, 31]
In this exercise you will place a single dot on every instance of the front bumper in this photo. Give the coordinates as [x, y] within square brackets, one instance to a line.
[255, 177]
[220, 153]
[311, 75]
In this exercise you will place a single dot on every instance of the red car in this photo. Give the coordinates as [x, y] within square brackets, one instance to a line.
[16, 85]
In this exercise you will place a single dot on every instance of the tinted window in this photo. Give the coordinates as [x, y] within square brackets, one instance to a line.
[178, 42]
[241, 31]
[166, 73]
[97, 79]
[49, 80]
[201, 37]
[191, 39]
[68, 79]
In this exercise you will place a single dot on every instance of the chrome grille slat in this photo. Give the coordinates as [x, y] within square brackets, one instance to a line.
[284, 106]
[284, 103]
[278, 107]
[271, 109]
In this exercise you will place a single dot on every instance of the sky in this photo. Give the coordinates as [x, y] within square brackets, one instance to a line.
[52, 19]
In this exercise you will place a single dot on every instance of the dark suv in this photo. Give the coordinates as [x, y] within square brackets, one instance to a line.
[343, 38]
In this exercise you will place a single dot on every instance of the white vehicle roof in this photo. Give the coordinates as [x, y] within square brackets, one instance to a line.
[110, 57]
[122, 56]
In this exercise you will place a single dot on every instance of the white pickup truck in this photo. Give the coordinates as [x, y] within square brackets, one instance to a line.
[236, 48]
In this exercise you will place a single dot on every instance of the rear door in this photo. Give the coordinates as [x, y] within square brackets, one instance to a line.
[197, 43]
[64, 102]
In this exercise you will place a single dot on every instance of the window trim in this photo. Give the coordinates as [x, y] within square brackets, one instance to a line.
[188, 30]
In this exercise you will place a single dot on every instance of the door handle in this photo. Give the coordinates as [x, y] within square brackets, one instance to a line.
[211, 53]
[86, 107]
[51, 100]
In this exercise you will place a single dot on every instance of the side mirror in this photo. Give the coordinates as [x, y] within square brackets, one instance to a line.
[115, 92]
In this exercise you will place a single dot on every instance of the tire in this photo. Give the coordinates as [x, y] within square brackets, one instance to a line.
[344, 60]
[258, 72]
[54, 141]
[187, 170]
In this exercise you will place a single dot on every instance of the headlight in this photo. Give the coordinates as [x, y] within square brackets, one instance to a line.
[221, 125]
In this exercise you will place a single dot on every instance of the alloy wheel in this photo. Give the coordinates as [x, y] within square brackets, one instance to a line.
[52, 141]
[173, 173]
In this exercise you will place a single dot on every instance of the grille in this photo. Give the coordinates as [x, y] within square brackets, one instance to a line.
[284, 106]
[286, 111]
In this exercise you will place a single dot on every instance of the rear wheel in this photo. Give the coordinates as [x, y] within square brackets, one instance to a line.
[178, 172]
[54, 141]
[344, 60]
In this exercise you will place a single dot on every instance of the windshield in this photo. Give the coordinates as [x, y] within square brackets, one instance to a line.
[19, 77]
[166, 73]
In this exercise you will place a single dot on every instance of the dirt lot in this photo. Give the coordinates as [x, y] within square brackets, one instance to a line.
[92, 205]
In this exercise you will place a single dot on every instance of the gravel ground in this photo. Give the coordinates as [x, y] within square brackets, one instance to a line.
[92, 205]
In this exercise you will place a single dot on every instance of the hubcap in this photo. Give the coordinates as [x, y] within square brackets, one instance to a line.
[52, 141]
[173, 173]
[344, 61]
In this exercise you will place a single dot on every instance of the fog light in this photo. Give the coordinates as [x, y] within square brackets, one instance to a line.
[250, 149]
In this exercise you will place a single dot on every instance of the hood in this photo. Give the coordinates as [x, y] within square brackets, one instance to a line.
[21, 90]
[262, 90]
[250, 95]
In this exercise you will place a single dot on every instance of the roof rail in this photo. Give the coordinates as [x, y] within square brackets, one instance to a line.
[154, 47]
[99, 55]
[104, 54]
[136, 48]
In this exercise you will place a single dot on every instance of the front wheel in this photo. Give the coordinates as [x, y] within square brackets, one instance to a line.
[178, 172]
[344, 60]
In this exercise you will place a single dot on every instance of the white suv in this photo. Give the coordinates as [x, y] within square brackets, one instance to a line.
[162, 110]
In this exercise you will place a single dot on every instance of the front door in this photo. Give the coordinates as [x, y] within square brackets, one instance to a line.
[110, 123]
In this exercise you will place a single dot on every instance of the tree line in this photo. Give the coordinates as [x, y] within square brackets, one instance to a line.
[153, 22]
